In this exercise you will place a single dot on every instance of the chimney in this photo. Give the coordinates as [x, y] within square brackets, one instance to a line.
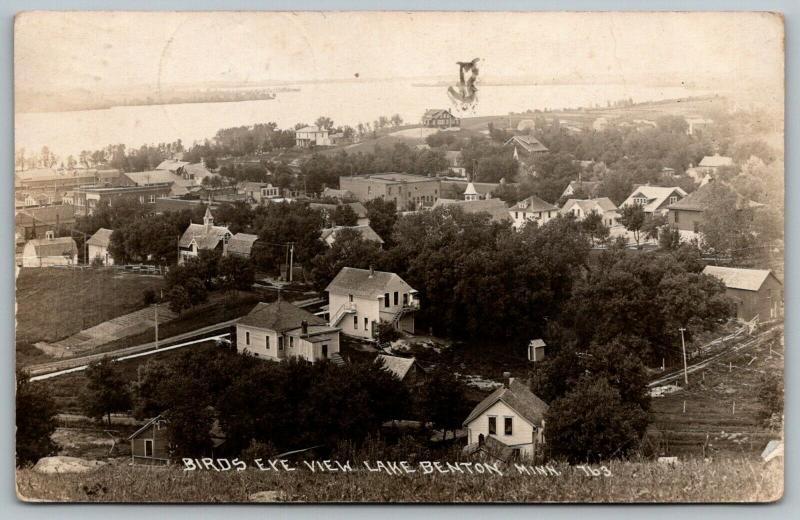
[371, 271]
[507, 379]
[304, 327]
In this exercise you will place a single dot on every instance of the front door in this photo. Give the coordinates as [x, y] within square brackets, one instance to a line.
[324, 351]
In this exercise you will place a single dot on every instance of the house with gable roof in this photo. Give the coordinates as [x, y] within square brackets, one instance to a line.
[359, 299]
[405, 369]
[687, 214]
[241, 245]
[367, 233]
[281, 330]
[203, 236]
[50, 251]
[98, 246]
[527, 144]
[311, 136]
[439, 118]
[511, 415]
[756, 292]
[580, 208]
[532, 209]
[654, 199]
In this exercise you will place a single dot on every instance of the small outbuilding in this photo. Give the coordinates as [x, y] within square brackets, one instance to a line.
[50, 251]
[98, 246]
[756, 292]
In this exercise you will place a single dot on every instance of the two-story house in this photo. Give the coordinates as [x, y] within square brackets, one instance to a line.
[654, 199]
[359, 299]
[310, 136]
[512, 415]
[532, 209]
[281, 330]
[580, 208]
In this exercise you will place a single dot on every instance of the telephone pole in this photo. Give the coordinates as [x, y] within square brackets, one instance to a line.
[685, 368]
[291, 261]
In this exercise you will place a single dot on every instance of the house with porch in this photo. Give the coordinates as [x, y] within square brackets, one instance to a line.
[511, 415]
[281, 330]
[311, 136]
[359, 299]
[202, 236]
[756, 292]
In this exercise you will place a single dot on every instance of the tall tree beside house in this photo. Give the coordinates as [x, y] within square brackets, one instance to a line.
[592, 423]
[235, 273]
[382, 216]
[278, 225]
[727, 227]
[443, 401]
[35, 420]
[324, 122]
[349, 250]
[593, 226]
[344, 215]
[633, 218]
[106, 391]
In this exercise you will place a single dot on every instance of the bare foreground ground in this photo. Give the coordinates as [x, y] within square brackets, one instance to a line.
[730, 480]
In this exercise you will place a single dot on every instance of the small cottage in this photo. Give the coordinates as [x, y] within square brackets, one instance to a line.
[98, 247]
[150, 444]
[512, 415]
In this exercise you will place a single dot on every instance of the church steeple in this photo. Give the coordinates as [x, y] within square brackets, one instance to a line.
[208, 219]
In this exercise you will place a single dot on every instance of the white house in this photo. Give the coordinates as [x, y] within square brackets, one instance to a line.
[512, 415]
[281, 330]
[359, 299]
[50, 251]
[98, 246]
[532, 209]
[580, 208]
[202, 236]
[310, 136]
[654, 199]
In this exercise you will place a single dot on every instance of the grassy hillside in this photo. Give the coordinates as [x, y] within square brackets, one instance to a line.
[693, 481]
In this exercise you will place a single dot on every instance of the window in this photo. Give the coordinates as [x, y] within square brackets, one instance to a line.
[548, 214]
[350, 296]
[266, 341]
[516, 215]
[355, 322]
[405, 299]
[492, 425]
[152, 198]
[673, 199]
[676, 213]
[396, 298]
[324, 351]
[389, 190]
[386, 299]
[280, 342]
[508, 425]
[148, 447]
[696, 227]
[366, 323]
[291, 341]
[247, 338]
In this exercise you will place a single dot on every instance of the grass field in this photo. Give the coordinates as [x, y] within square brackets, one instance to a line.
[710, 419]
[56, 303]
[731, 480]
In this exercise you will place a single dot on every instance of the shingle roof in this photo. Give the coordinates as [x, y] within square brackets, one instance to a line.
[655, 195]
[366, 232]
[361, 283]
[436, 113]
[588, 187]
[397, 365]
[279, 316]
[310, 129]
[102, 238]
[496, 208]
[715, 161]
[534, 203]
[171, 165]
[528, 143]
[153, 177]
[241, 244]
[516, 396]
[470, 190]
[737, 278]
[46, 247]
[702, 197]
[588, 205]
[204, 239]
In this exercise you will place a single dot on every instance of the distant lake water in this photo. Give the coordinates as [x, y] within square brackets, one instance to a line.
[348, 102]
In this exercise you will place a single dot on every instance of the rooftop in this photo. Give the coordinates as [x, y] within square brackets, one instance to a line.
[102, 238]
[366, 232]
[363, 282]
[399, 366]
[280, 316]
[738, 278]
[516, 396]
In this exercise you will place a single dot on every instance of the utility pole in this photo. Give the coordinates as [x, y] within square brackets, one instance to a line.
[291, 261]
[685, 368]
[155, 305]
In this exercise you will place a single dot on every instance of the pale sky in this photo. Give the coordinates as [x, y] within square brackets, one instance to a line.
[101, 51]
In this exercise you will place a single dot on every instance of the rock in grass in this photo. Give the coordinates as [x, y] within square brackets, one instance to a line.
[56, 465]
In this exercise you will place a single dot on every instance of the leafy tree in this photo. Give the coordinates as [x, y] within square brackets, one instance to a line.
[592, 423]
[386, 332]
[382, 216]
[727, 222]
[443, 401]
[35, 421]
[592, 225]
[669, 239]
[149, 297]
[633, 218]
[344, 215]
[285, 223]
[323, 122]
[178, 298]
[397, 120]
[106, 391]
[349, 250]
[236, 273]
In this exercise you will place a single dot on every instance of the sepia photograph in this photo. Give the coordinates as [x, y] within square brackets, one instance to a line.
[399, 257]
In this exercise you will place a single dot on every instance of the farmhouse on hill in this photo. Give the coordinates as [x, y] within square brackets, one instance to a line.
[439, 118]
[311, 136]
[756, 292]
[359, 299]
[281, 330]
[512, 415]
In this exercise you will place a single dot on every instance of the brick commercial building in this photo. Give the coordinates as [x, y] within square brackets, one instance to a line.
[407, 191]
